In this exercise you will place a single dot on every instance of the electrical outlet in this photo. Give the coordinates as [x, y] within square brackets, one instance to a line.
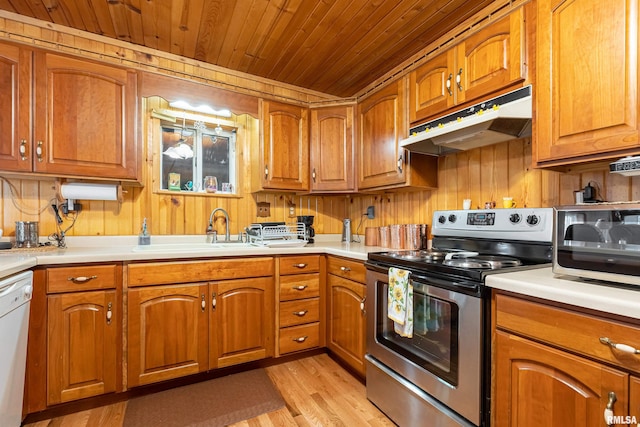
[371, 214]
[76, 207]
[264, 209]
[292, 211]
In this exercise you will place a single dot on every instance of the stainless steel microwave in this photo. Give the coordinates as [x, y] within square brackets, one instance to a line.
[598, 241]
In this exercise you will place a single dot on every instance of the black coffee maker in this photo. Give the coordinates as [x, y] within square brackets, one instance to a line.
[309, 232]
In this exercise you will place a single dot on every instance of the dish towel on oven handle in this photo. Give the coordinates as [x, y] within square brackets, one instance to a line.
[400, 302]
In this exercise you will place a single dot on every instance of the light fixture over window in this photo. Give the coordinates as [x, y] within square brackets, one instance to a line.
[205, 109]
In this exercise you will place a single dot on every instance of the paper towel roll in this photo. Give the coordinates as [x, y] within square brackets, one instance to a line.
[86, 191]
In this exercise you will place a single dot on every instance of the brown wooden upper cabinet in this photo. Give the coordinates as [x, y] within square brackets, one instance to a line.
[284, 147]
[332, 141]
[84, 116]
[382, 163]
[15, 107]
[85, 119]
[586, 81]
[490, 60]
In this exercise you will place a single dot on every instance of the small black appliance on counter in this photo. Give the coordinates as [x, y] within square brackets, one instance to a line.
[307, 220]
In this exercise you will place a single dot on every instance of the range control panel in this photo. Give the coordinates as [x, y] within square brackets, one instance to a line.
[528, 224]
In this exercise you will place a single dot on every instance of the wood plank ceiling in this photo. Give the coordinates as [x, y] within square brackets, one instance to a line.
[336, 47]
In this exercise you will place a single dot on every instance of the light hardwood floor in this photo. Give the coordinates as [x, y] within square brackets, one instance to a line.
[317, 392]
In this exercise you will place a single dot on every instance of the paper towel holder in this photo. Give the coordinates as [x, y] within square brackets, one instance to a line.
[69, 192]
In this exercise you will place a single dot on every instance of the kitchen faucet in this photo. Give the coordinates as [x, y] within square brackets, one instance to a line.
[226, 225]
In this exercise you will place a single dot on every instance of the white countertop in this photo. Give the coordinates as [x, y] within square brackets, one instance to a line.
[121, 248]
[591, 294]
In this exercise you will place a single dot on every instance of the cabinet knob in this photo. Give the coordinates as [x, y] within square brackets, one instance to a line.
[23, 149]
[213, 300]
[400, 163]
[81, 279]
[39, 151]
[362, 307]
[448, 84]
[203, 304]
[300, 287]
[608, 411]
[109, 313]
[300, 313]
[313, 175]
[301, 339]
[266, 172]
[621, 347]
[459, 80]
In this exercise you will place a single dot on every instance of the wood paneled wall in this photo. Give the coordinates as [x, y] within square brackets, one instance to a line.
[484, 174]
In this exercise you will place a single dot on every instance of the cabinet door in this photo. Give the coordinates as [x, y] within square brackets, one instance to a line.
[242, 321]
[285, 147]
[431, 87]
[347, 321]
[491, 59]
[332, 139]
[82, 341]
[537, 385]
[168, 334]
[587, 80]
[85, 119]
[382, 123]
[15, 108]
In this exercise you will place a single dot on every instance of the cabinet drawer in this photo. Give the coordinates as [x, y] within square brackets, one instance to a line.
[299, 312]
[299, 264]
[349, 269]
[296, 338]
[83, 278]
[299, 286]
[568, 329]
[166, 273]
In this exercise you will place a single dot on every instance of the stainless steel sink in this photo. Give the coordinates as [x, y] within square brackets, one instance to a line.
[189, 247]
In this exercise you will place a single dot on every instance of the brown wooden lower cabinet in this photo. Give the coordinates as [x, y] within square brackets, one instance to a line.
[300, 308]
[346, 292]
[550, 367]
[167, 332]
[538, 385]
[82, 336]
[179, 330]
[242, 321]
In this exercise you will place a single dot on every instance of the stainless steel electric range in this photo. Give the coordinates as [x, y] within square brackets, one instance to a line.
[440, 376]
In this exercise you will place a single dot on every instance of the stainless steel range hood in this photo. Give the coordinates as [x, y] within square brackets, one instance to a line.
[495, 120]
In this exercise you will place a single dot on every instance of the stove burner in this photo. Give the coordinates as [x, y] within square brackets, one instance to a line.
[421, 255]
[490, 262]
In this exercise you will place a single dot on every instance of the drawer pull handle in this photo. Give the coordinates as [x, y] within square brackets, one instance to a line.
[109, 313]
[301, 339]
[362, 307]
[301, 265]
[345, 269]
[621, 347]
[23, 149]
[81, 279]
[300, 288]
[203, 303]
[608, 411]
[214, 300]
[300, 313]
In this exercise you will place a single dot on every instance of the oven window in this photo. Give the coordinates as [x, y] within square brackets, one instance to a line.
[434, 345]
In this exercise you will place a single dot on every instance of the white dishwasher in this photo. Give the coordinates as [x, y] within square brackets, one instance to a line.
[15, 297]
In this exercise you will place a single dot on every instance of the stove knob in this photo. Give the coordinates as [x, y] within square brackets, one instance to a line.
[515, 218]
[533, 219]
[442, 219]
[452, 218]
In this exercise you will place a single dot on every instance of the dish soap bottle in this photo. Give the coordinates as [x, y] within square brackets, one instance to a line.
[144, 238]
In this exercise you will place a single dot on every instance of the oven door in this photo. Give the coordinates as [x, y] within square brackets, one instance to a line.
[444, 356]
